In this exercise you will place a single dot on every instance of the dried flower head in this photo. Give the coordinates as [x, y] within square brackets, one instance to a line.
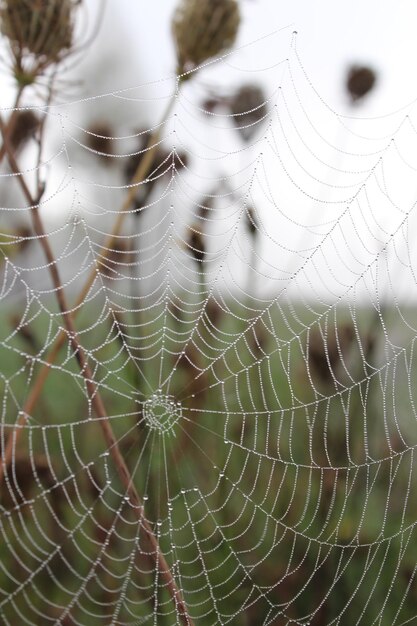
[204, 207]
[203, 29]
[360, 80]
[42, 28]
[195, 243]
[252, 221]
[23, 128]
[120, 256]
[100, 140]
[249, 110]
[163, 163]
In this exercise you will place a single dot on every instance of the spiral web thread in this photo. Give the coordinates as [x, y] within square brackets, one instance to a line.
[261, 389]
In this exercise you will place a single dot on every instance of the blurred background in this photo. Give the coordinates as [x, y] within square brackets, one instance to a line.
[249, 327]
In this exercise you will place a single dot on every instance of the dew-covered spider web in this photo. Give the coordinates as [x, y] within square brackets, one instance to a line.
[250, 331]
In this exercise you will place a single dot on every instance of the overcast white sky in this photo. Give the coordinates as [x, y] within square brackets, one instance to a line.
[331, 35]
[135, 47]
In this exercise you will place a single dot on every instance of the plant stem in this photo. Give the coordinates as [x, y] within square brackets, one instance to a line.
[9, 128]
[93, 391]
[142, 171]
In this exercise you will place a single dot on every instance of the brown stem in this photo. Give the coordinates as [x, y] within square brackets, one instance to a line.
[94, 393]
[11, 123]
[142, 171]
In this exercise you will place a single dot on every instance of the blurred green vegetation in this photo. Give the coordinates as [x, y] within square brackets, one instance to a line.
[285, 495]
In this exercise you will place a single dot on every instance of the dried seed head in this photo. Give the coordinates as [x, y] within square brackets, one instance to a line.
[163, 163]
[249, 110]
[325, 354]
[252, 221]
[360, 80]
[43, 28]
[100, 140]
[24, 127]
[203, 29]
[195, 243]
[204, 207]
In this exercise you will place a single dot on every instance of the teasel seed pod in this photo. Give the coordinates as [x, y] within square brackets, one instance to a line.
[249, 110]
[42, 29]
[196, 245]
[202, 30]
[360, 80]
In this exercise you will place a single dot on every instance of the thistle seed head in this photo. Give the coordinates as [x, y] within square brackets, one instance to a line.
[203, 29]
[43, 28]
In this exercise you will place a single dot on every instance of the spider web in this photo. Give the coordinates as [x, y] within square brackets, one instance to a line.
[251, 331]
